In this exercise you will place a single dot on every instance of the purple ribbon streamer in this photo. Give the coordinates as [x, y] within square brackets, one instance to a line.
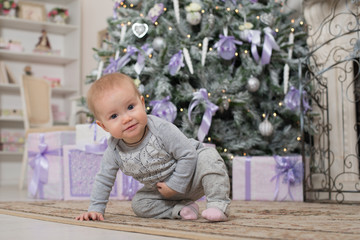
[126, 58]
[164, 109]
[176, 62]
[210, 110]
[248, 179]
[97, 148]
[292, 100]
[269, 45]
[117, 64]
[155, 12]
[253, 37]
[94, 124]
[112, 67]
[130, 186]
[292, 172]
[140, 64]
[40, 165]
[226, 46]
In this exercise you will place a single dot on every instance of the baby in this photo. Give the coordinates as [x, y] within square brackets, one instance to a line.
[176, 171]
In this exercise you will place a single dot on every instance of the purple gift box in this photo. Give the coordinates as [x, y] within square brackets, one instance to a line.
[45, 170]
[80, 169]
[268, 178]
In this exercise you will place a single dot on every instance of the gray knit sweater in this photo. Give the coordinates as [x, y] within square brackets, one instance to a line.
[165, 155]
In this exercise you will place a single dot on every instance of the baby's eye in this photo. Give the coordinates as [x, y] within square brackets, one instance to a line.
[113, 116]
[130, 107]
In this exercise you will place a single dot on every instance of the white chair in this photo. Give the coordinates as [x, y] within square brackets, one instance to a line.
[36, 101]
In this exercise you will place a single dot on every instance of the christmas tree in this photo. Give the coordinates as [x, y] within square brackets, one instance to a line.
[225, 72]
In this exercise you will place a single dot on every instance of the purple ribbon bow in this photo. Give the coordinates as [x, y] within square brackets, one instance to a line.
[164, 109]
[155, 12]
[292, 172]
[226, 46]
[269, 45]
[202, 95]
[117, 64]
[40, 165]
[293, 98]
[253, 37]
[176, 62]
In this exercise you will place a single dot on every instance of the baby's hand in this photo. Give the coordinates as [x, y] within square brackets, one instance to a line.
[165, 190]
[90, 216]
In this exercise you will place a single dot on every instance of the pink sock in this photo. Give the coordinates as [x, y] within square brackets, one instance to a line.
[190, 212]
[214, 215]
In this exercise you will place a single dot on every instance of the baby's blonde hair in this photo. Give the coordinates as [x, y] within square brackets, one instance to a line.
[105, 83]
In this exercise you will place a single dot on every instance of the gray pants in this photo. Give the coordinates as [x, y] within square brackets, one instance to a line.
[210, 179]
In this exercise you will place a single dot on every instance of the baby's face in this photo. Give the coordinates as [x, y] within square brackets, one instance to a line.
[122, 113]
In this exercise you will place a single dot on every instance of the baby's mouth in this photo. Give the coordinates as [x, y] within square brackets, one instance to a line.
[131, 127]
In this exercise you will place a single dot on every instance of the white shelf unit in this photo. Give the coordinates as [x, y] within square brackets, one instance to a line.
[66, 66]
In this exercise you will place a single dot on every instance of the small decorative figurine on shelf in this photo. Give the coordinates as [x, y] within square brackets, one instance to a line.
[8, 8]
[58, 15]
[43, 44]
[27, 70]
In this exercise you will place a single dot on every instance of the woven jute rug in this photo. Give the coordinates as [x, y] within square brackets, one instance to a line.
[249, 220]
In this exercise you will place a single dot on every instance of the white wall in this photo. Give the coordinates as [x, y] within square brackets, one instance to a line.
[94, 16]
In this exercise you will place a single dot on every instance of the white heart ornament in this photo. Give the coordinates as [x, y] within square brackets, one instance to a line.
[140, 29]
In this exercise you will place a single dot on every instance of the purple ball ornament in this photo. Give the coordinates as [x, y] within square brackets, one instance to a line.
[164, 109]
[226, 46]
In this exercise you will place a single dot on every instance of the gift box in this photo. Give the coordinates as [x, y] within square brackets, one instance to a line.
[80, 169]
[90, 133]
[45, 157]
[268, 178]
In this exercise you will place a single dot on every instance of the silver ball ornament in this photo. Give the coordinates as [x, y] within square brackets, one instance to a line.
[266, 128]
[253, 84]
[158, 43]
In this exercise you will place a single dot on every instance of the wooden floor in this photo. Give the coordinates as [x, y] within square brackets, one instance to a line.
[248, 220]
[19, 228]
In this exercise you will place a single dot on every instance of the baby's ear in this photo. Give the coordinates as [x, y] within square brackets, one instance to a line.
[142, 99]
[101, 125]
